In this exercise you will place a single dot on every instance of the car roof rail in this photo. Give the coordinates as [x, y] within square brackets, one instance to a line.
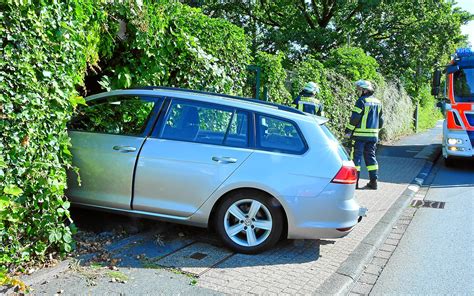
[280, 107]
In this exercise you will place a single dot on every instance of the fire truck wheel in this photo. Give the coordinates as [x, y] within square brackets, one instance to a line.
[448, 162]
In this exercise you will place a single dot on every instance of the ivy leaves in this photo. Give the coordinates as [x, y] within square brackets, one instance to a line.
[12, 190]
[47, 49]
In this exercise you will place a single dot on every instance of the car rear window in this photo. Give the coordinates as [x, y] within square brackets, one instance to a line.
[343, 153]
[276, 134]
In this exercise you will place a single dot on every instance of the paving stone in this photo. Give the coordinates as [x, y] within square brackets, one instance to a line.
[362, 288]
[379, 261]
[373, 269]
[388, 248]
[383, 254]
[393, 242]
[404, 221]
[400, 229]
[189, 259]
[368, 278]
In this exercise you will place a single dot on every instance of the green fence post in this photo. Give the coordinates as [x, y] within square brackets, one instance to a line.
[416, 116]
[257, 71]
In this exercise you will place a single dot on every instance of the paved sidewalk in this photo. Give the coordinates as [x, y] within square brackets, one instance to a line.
[169, 259]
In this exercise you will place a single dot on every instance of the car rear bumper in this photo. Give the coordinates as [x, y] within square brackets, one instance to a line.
[332, 214]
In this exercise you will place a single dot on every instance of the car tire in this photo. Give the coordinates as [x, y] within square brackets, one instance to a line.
[249, 221]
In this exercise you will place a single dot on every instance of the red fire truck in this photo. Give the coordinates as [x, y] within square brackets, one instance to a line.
[457, 105]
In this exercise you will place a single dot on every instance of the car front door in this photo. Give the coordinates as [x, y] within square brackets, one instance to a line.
[194, 149]
[106, 138]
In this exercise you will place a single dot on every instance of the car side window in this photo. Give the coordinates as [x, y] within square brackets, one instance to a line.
[209, 124]
[279, 135]
[119, 115]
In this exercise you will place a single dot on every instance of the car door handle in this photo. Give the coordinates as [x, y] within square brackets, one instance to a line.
[125, 148]
[224, 159]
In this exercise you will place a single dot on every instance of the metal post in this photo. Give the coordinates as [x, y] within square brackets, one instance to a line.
[257, 71]
[265, 93]
[416, 116]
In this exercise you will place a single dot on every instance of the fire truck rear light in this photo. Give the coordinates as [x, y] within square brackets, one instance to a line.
[346, 175]
[456, 149]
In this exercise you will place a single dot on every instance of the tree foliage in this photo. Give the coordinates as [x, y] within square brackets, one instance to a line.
[353, 63]
[407, 42]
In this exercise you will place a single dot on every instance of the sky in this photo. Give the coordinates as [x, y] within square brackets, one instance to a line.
[469, 28]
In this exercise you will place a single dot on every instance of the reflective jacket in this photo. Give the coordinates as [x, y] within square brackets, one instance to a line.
[309, 104]
[366, 119]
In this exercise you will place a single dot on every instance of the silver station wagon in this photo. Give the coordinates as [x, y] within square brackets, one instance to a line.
[254, 171]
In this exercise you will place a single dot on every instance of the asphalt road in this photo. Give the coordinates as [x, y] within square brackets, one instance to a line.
[436, 253]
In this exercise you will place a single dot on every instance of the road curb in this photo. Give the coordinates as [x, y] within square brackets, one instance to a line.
[347, 274]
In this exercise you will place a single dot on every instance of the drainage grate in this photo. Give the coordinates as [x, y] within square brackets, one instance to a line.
[198, 256]
[418, 203]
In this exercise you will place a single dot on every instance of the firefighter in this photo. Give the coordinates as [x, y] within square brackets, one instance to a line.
[307, 102]
[365, 123]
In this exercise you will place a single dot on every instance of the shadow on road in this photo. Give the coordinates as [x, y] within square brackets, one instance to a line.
[463, 170]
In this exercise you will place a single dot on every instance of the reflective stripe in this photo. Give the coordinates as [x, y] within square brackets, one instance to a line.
[367, 130]
[357, 168]
[309, 100]
[373, 167]
[365, 134]
[357, 110]
[363, 124]
[350, 126]
[372, 100]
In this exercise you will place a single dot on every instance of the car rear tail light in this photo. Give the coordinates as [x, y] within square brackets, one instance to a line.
[346, 175]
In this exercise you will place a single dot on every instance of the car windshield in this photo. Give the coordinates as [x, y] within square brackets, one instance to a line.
[464, 85]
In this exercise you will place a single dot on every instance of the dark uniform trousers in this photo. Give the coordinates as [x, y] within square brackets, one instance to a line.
[366, 148]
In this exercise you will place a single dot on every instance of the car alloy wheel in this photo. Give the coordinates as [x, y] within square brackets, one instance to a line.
[249, 221]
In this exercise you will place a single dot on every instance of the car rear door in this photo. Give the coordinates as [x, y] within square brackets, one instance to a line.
[193, 150]
[106, 138]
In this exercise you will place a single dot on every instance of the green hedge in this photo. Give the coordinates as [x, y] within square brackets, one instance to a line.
[273, 77]
[428, 113]
[397, 109]
[45, 48]
[170, 44]
[336, 81]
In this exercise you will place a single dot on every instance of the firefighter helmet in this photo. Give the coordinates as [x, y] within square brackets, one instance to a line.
[311, 88]
[365, 84]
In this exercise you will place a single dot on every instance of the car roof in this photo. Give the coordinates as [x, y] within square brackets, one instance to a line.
[234, 101]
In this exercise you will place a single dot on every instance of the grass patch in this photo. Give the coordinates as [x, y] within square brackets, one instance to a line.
[117, 275]
[96, 265]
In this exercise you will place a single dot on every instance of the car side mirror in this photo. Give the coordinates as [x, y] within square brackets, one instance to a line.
[436, 82]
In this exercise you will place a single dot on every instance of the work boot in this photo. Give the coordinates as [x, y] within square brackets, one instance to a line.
[357, 182]
[371, 185]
